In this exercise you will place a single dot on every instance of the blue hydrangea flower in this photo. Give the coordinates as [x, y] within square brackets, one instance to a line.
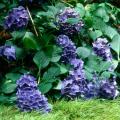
[101, 48]
[75, 84]
[92, 90]
[108, 89]
[65, 27]
[17, 19]
[69, 48]
[28, 97]
[8, 51]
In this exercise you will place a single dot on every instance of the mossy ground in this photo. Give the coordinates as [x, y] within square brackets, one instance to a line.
[73, 110]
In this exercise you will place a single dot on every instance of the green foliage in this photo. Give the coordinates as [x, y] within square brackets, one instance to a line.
[40, 55]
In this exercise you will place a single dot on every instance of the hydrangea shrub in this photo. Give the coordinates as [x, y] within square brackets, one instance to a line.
[71, 49]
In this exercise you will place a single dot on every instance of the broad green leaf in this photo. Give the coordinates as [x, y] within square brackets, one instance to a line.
[8, 87]
[2, 5]
[104, 66]
[30, 41]
[102, 26]
[56, 54]
[73, 20]
[50, 75]
[41, 59]
[12, 76]
[83, 52]
[101, 12]
[80, 9]
[95, 34]
[45, 87]
[115, 44]
[88, 75]
[59, 86]
[106, 74]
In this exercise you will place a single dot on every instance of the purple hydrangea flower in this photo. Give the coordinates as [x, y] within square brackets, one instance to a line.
[102, 49]
[72, 88]
[8, 51]
[69, 48]
[17, 19]
[108, 89]
[27, 81]
[65, 27]
[92, 90]
[28, 97]
[75, 84]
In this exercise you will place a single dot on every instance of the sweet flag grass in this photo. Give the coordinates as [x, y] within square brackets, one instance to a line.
[72, 110]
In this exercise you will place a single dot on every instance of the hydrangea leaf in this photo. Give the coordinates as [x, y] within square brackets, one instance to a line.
[115, 44]
[45, 87]
[50, 75]
[95, 34]
[83, 52]
[8, 87]
[41, 59]
[30, 42]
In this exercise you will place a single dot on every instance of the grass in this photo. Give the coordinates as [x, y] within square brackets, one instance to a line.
[74, 110]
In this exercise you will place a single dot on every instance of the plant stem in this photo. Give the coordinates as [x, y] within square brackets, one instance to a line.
[33, 24]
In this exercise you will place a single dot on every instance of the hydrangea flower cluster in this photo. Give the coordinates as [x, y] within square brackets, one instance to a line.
[108, 89]
[75, 84]
[28, 97]
[66, 27]
[8, 51]
[101, 48]
[17, 19]
[69, 48]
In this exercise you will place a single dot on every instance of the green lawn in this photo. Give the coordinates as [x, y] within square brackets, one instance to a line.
[82, 110]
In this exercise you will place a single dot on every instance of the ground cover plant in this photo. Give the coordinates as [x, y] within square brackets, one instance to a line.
[58, 49]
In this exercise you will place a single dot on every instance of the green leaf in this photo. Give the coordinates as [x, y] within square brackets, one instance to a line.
[19, 52]
[95, 34]
[104, 66]
[115, 44]
[45, 87]
[102, 26]
[12, 76]
[8, 87]
[80, 8]
[106, 74]
[73, 20]
[2, 5]
[30, 41]
[17, 34]
[56, 54]
[101, 12]
[50, 75]
[83, 52]
[59, 86]
[88, 75]
[41, 59]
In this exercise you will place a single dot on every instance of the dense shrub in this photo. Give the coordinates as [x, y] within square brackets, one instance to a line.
[71, 47]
